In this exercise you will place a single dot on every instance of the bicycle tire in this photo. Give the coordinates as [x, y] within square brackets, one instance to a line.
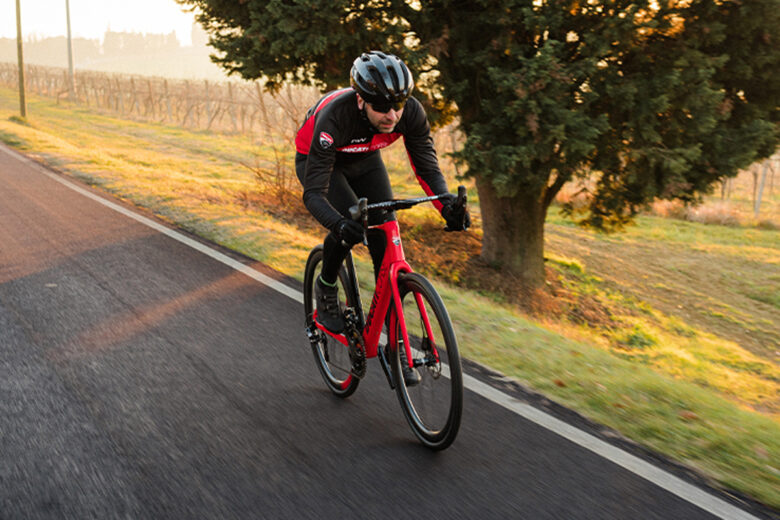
[331, 357]
[433, 407]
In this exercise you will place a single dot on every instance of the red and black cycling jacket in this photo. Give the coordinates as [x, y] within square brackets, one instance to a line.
[335, 131]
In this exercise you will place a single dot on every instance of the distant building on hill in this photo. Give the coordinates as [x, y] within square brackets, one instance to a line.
[123, 52]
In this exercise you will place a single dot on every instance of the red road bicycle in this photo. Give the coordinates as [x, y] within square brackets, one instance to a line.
[417, 322]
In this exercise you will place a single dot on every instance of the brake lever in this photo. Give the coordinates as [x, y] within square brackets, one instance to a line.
[359, 212]
[460, 202]
[462, 199]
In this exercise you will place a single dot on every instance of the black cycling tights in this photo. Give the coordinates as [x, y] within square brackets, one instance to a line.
[365, 178]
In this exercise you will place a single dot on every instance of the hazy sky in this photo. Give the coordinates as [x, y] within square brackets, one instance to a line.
[91, 18]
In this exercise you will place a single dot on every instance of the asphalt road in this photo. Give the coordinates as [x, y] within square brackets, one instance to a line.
[140, 378]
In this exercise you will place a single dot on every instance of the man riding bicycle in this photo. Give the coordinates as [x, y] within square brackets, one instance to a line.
[338, 161]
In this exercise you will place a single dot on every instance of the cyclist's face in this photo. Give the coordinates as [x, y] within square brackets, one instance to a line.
[384, 122]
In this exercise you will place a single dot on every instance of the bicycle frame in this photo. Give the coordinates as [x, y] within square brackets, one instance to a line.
[431, 397]
[386, 292]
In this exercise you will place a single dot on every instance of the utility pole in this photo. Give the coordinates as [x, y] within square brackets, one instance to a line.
[22, 102]
[71, 83]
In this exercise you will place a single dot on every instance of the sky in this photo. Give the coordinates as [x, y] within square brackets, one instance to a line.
[91, 18]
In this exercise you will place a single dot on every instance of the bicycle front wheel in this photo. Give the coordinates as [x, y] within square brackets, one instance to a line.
[331, 357]
[433, 407]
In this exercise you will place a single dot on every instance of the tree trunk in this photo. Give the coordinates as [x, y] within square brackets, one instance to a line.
[513, 230]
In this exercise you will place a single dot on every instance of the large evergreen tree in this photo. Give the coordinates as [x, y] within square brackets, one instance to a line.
[644, 98]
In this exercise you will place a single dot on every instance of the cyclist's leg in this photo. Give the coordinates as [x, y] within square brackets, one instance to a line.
[332, 254]
[369, 179]
[365, 178]
[341, 197]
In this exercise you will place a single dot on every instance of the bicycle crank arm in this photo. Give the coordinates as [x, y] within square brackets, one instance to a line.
[358, 359]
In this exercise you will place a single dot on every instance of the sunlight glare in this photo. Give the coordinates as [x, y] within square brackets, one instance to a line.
[91, 18]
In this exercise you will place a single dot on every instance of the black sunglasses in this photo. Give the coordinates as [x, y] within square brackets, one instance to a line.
[384, 108]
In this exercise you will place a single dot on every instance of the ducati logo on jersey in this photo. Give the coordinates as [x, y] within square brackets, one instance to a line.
[325, 140]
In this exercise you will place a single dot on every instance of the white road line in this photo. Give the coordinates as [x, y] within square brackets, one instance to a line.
[657, 476]
[216, 255]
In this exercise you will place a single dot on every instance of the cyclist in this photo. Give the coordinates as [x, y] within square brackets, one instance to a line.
[338, 160]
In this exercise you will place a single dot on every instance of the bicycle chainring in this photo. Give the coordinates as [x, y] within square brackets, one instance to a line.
[357, 355]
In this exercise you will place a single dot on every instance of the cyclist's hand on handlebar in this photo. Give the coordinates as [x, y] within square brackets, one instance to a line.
[349, 231]
[457, 216]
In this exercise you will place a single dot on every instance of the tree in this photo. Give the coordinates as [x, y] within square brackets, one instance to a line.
[643, 98]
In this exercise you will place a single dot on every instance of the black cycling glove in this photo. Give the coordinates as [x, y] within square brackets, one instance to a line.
[349, 232]
[456, 217]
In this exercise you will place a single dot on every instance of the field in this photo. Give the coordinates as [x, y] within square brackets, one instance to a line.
[667, 332]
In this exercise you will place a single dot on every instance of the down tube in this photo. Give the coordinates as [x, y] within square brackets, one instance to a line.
[372, 330]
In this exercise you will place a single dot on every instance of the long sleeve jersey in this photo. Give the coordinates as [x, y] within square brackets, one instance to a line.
[337, 132]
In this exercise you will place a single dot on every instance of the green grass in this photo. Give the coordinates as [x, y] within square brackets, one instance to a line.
[685, 361]
[13, 140]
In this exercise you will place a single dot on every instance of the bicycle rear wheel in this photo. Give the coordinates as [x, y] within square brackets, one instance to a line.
[433, 407]
[331, 357]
